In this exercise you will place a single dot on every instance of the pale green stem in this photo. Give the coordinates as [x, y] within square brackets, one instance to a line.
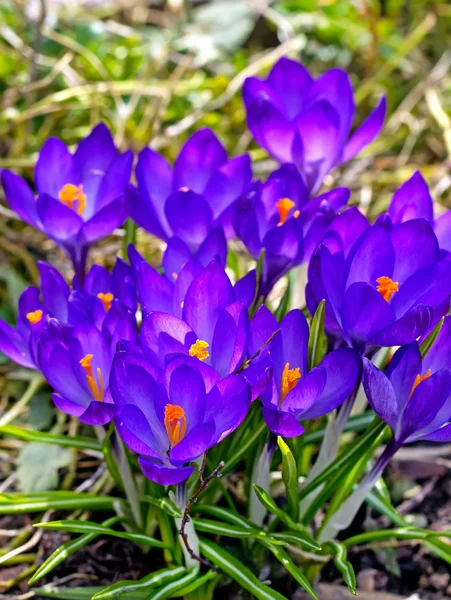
[15, 411]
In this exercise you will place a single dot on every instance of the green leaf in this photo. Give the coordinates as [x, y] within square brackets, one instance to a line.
[343, 565]
[82, 443]
[146, 583]
[289, 565]
[317, 343]
[356, 423]
[197, 584]
[110, 458]
[80, 593]
[237, 571]
[169, 590]
[300, 538]
[38, 464]
[215, 528]
[66, 550]
[225, 515]
[41, 411]
[73, 526]
[166, 505]
[22, 503]
[243, 449]
[284, 304]
[290, 479]
[426, 344]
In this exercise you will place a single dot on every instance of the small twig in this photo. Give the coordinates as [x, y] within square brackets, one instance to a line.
[202, 467]
[249, 360]
[189, 505]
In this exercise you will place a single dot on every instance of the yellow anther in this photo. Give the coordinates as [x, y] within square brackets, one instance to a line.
[198, 349]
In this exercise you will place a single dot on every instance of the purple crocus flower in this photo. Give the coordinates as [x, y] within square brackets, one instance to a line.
[413, 200]
[81, 197]
[166, 293]
[384, 288]
[294, 393]
[78, 368]
[170, 420]
[21, 344]
[300, 120]
[277, 217]
[213, 328]
[191, 199]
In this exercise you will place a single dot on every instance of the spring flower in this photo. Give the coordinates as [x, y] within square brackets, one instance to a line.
[413, 200]
[172, 420]
[277, 216]
[213, 328]
[383, 288]
[166, 293]
[294, 393]
[78, 368]
[81, 197]
[300, 120]
[191, 199]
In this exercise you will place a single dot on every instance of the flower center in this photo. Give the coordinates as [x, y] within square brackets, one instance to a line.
[418, 380]
[290, 378]
[72, 196]
[107, 299]
[35, 316]
[284, 205]
[95, 387]
[198, 349]
[387, 287]
[175, 423]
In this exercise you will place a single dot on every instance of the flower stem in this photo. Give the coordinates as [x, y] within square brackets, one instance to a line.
[34, 385]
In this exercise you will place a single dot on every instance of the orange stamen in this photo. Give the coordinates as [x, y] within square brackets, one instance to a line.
[70, 195]
[35, 316]
[107, 299]
[290, 378]
[97, 389]
[387, 287]
[418, 380]
[175, 423]
[284, 205]
[198, 349]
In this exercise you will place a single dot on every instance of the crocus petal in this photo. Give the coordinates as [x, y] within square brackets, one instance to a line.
[186, 276]
[98, 413]
[98, 280]
[440, 435]
[412, 201]
[282, 423]
[194, 444]
[163, 335]
[407, 238]
[270, 128]
[345, 230]
[54, 168]
[200, 156]
[164, 475]
[284, 249]
[367, 131]
[291, 82]
[227, 405]
[106, 219]
[439, 356]
[342, 369]
[380, 393]
[115, 181]
[305, 393]
[175, 257]
[135, 431]
[244, 288]
[55, 291]
[402, 371]
[20, 197]
[209, 375]
[207, 295]
[246, 224]
[230, 181]
[230, 338]
[213, 248]
[371, 257]
[87, 339]
[290, 345]
[442, 230]
[154, 290]
[187, 390]
[263, 325]
[12, 344]
[154, 176]
[189, 216]
[406, 329]
[56, 366]
[67, 406]
[59, 221]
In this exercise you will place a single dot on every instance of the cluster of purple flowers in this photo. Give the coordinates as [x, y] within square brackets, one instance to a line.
[176, 356]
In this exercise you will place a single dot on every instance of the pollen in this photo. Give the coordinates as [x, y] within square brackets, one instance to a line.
[284, 205]
[175, 423]
[35, 316]
[199, 350]
[107, 299]
[95, 387]
[184, 189]
[387, 287]
[418, 380]
[73, 196]
[290, 378]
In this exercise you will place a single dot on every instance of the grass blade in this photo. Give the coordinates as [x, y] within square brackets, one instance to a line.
[146, 583]
[28, 435]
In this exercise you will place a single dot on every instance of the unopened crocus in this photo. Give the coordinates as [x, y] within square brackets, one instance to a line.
[78, 368]
[386, 290]
[171, 420]
[213, 329]
[307, 121]
[21, 344]
[189, 200]
[413, 200]
[295, 393]
[81, 197]
[278, 217]
[166, 293]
